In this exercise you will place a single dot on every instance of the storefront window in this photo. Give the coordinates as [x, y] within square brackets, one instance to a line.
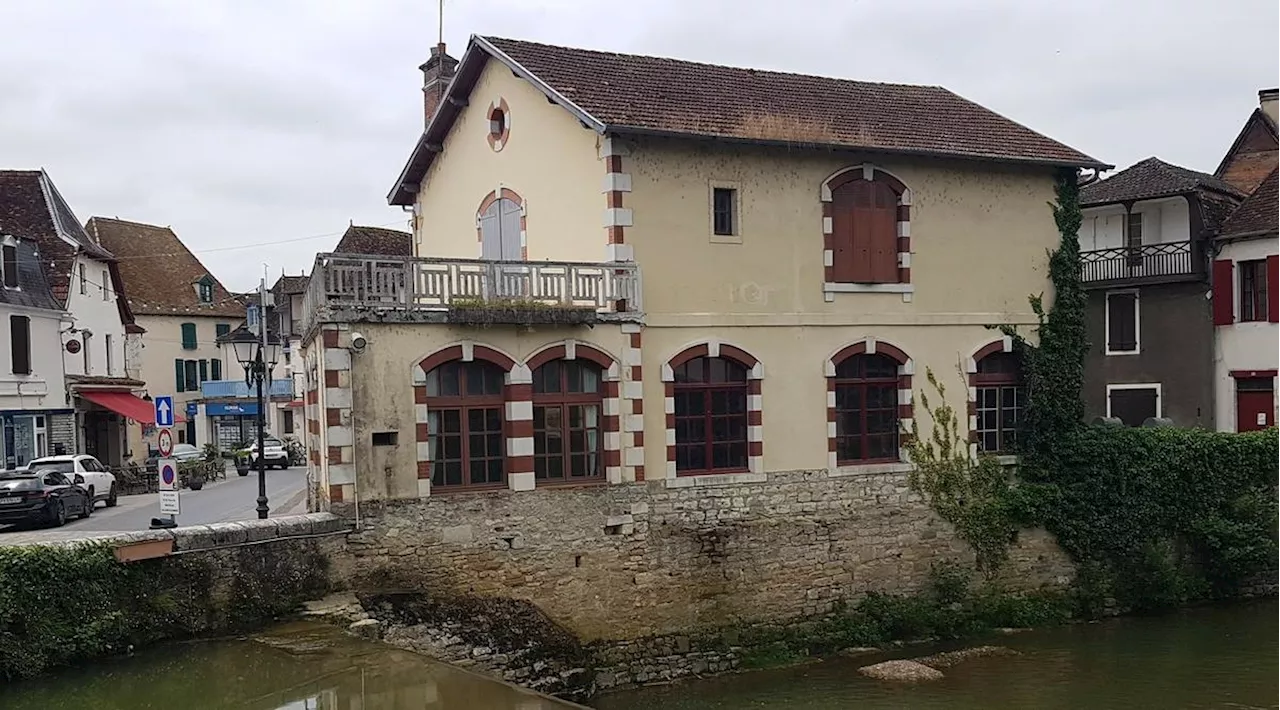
[25, 438]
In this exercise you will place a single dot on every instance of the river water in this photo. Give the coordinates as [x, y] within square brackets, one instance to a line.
[301, 666]
[1202, 658]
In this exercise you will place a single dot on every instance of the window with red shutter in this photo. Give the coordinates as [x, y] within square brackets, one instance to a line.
[1273, 288]
[864, 225]
[1223, 293]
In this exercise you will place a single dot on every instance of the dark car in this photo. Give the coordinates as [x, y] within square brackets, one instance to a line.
[41, 497]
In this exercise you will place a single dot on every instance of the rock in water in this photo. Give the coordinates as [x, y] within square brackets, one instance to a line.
[948, 659]
[366, 628]
[902, 671]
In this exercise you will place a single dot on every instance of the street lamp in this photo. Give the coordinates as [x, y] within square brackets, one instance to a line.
[258, 357]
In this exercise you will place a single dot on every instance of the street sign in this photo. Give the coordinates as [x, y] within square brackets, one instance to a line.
[164, 442]
[168, 470]
[192, 410]
[169, 504]
[164, 411]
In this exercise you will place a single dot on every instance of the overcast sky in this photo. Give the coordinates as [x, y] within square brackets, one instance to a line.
[245, 122]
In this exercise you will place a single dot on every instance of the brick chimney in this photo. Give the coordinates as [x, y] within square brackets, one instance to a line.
[436, 73]
[1267, 99]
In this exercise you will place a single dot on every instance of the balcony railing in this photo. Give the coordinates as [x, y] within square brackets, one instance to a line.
[350, 283]
[237, 389]
[1149, 263]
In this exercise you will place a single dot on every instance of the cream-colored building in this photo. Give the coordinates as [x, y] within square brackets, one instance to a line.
[770, 264]
[180, 309]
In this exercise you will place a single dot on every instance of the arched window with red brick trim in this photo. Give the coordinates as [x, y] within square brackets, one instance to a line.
[866, 213]
[867, 420]
[1000, 397]
[568, 405]
[465, 424]
[710, 415]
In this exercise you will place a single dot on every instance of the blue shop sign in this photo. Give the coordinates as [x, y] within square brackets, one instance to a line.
[231, 409]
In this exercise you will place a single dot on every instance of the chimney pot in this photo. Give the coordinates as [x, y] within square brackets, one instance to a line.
[437, 71]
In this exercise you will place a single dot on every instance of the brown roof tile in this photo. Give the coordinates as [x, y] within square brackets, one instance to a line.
[1258, 213]
[375, 240]
[625, 93]
[1149, 179]
[159, 271]
[289, 285]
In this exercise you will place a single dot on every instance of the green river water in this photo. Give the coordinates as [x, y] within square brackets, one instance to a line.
[1203, 658]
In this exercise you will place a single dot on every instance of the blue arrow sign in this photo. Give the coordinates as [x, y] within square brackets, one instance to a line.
[164, 411]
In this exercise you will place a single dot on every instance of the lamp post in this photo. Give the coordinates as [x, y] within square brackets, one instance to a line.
[258, 357]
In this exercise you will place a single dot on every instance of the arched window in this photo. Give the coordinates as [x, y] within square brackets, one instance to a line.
[465, 424]
[500, 231]
[1000, 395]
[865, 212]
[867, 423]
[568, 402]
[710, 415]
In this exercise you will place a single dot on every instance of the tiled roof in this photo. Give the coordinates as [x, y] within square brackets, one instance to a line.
[33, 288]
[31, 208]
[1150, 179]
[289, 285]
[632, 94]
[375, 240]
[1257, 214]
[159, 271]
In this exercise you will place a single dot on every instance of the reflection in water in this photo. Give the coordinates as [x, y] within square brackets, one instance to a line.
[297, 667]
[1203, 658]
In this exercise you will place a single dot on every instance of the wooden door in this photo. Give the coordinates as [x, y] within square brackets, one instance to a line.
[1255, 404]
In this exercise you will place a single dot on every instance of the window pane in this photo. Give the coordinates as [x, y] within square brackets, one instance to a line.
[546, 379]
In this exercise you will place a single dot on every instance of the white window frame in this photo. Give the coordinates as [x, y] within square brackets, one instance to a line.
[106, 280]
[1139, 386]
[736, 237]
[1137, 322]
[84, 281]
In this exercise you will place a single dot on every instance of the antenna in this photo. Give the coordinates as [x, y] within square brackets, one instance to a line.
[440, 24]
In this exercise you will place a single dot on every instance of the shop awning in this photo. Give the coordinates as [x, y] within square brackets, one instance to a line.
[127, 405]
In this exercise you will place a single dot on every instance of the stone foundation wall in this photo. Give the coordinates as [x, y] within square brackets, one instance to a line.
[679, 556]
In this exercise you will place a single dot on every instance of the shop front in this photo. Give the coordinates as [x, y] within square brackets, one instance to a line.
[29, 435]
[232, 424]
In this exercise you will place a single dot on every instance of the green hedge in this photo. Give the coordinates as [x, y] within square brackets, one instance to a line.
[60, 605]
[1160, 516]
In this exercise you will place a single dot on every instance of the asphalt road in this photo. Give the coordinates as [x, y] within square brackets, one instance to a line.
[227, 500]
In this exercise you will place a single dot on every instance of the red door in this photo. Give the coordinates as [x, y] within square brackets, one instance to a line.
[1255, 405]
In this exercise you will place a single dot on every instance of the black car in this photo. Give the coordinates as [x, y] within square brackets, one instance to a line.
[41, 497]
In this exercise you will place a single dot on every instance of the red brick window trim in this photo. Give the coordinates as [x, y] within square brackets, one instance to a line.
[714, 411]
[997, 398]
[499, 117]
[866, 228]
[869, 404]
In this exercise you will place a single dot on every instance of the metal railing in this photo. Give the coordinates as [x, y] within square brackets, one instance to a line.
[1138, 262]
[342, 281]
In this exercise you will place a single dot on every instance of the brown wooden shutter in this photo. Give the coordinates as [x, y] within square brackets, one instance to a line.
[1223, 295]
[1122, 322]
[1273, 288]
[20, 348]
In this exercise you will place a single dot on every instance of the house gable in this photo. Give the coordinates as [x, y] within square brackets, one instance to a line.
[1252, 155]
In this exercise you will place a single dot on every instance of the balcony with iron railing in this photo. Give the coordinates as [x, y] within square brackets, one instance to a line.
[1141, 264]
[362, 288]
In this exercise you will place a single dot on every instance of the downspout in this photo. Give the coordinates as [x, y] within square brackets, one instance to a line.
[355, 466]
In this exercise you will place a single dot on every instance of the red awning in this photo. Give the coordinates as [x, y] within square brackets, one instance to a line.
[128, 405]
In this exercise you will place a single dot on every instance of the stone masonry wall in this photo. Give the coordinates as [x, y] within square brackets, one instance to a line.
[679, 556]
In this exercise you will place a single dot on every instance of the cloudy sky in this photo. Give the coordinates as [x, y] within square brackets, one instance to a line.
[258, 129]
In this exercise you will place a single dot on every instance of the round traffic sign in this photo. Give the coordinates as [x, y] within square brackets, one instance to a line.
[164, 442]
[168, 473]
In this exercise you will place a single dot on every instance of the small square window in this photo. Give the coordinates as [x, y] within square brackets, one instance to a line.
[385, 438]
[724, 211]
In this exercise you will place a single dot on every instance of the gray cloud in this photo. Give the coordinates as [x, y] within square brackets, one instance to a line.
[241, 123]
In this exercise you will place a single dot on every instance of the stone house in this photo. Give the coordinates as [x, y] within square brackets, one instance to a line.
[182, 309]
[1146, 241]
[657, 308]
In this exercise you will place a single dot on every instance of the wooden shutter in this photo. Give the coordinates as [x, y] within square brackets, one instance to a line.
[10, 266]
[20, 337]
[490, 234]
[1273, 288]
[204, 370]
[1122, 322]
[215, 369]
[192, 375]
[179, 375]
[188, 336]
[222, 329]
[1224, 312]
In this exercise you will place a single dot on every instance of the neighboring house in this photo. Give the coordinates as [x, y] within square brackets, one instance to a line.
[1246, 313]
[84, 279]
[231, 405]
[375, 240]
[1146, 240]
[183, 309]
[34, 417]
[810, 247]
[286, 318]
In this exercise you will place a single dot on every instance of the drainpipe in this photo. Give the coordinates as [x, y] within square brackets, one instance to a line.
[355, 465]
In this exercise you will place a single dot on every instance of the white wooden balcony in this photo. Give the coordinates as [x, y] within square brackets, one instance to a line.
[347, 287]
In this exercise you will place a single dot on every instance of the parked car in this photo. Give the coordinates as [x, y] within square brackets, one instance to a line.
[186, 452]
[98, 481]
[43, 497]
[276, 453]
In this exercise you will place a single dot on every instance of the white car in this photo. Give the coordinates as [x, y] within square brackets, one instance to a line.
[275, 453]
[85, 471]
